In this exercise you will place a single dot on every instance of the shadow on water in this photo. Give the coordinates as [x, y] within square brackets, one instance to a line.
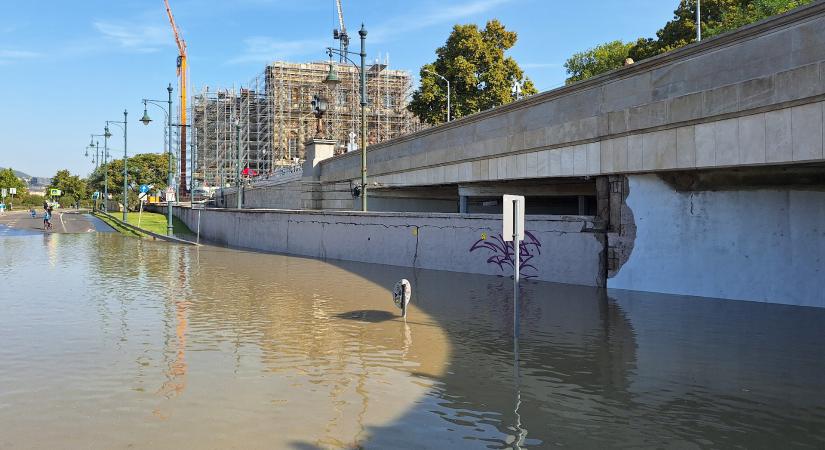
[592, 370]
[324, 347]
[368, 315]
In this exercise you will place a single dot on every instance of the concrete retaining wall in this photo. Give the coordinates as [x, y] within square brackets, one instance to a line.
[560, 249]
[760, 245]
[286, 195]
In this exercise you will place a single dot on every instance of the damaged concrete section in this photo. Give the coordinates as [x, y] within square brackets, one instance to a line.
[620, 224]
[750, 242]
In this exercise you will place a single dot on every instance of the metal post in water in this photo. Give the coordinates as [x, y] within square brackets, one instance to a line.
[516, 258]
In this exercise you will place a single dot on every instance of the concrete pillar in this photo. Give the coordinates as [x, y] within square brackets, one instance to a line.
[316, 150]
[462, 204]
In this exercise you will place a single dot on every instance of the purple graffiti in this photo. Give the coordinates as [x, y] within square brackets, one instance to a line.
[501, 253]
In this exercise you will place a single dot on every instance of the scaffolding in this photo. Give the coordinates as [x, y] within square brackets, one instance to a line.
[275, 117]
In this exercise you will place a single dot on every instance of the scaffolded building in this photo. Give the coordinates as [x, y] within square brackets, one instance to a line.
[273, 117]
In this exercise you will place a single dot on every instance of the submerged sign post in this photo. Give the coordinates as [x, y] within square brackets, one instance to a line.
[513, 231]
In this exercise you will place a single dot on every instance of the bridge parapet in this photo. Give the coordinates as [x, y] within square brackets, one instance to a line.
[752, 96]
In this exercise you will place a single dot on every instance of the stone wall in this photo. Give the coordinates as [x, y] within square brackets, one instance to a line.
[561, 249]
[762, 244]
[285, 196]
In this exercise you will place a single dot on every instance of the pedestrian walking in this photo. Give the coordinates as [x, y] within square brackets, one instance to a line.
[47, 219]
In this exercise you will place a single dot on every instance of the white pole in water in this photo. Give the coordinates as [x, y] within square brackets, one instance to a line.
[513, 231]
[516, 256]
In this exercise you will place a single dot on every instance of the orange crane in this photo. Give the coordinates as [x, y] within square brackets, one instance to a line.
[183, 71]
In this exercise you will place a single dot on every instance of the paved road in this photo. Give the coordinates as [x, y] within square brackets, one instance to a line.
[69, 221]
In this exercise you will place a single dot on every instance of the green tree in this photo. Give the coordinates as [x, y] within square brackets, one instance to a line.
[600, 59]
[748, 12]
[74, 188]
[718, 16]
[144, 168]
[9, 180]
[481, 76]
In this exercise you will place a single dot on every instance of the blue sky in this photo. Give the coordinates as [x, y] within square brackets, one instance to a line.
[68, 66]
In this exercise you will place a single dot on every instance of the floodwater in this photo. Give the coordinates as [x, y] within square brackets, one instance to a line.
[110, 342]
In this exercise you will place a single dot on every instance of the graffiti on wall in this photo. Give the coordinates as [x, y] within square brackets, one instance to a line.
[502, 255]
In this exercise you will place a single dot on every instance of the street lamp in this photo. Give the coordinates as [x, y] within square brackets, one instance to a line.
[169, 172]
[448, 89]
[106, 136]
[123, 125]
[238, 182]
[96, 148]
[332, 81]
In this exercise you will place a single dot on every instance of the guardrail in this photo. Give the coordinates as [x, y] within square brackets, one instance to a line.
[129, 226]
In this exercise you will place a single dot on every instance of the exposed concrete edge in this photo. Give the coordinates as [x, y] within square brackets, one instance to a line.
[147, 232]
[708, 45]
[554, 218]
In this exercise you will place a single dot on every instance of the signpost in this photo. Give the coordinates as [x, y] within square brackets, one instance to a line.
[170, 194]
[199, 207]
[3, 193]
[513, 231]
[12, 191]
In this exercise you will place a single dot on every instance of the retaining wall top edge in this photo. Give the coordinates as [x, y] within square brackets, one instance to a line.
[549, 218]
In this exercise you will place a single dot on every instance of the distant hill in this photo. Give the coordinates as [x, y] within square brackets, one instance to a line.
[19, 174]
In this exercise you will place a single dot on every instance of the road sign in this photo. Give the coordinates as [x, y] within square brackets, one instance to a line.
[12, 191]
[513, 231]
[55, 192]
[170, 194]
[144, 188]
[3, 192]
[95, 195]
[142, 196]
[513, 218]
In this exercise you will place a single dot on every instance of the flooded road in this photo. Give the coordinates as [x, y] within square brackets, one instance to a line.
[112, 342]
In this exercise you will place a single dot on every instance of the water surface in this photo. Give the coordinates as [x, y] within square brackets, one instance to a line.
[112, 342]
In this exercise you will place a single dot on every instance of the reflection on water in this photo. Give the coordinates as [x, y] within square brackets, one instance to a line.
[111, 343]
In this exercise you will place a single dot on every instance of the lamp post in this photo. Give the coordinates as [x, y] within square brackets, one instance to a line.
[448, 89]
[96, 146]
[106, 136]
[332, 81]
[238, 183]
[123, 124]
[170, 180]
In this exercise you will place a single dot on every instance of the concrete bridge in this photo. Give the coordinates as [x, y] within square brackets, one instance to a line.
[751, 98]
[703, 166]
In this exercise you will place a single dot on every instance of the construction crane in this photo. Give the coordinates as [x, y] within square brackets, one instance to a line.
[183, 71]
[341, 33]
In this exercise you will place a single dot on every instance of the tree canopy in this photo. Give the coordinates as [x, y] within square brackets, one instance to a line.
[481, 76]
[74, 188]
[143, 168]
[599, 59]
[8, 179]
[718, 16]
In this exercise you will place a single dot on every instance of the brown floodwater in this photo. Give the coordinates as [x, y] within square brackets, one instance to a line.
[111, 342]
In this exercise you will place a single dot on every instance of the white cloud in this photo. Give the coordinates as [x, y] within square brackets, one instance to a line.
[11, 56]
[423, 19]
[261, 49]
[138, 38]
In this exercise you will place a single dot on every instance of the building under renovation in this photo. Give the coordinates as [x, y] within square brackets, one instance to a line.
[272, 116]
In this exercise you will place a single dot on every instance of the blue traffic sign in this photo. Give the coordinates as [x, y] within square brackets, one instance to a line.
[144, 188]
